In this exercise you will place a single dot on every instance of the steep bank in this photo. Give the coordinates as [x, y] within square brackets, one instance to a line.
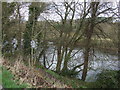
[37, 78]
[41, 78]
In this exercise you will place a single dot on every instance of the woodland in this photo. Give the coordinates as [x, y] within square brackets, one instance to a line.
[67, 44]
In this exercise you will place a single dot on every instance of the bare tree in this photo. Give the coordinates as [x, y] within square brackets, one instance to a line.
[67, 41]
[89, 33]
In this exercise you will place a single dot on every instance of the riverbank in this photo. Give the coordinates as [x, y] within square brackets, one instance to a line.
[18, 75]
[104, 45]
[34, 77]
[40, 78]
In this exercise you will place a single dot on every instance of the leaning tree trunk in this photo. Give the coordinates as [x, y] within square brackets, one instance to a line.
[44, 59]
[86, 58]
[89, 33]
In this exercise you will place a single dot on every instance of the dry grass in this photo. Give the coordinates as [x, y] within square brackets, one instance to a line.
[33, 77]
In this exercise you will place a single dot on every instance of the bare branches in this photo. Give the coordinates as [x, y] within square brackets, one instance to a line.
[77, 66]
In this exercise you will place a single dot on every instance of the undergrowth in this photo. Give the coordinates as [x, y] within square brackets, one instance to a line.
[8, 81]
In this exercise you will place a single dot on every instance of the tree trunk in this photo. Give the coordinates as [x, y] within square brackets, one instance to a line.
[119, 33]
[44, 59]
[89, 33]
[66, 59]
[1, 29]
[59, 59]
[59, 54]
[65, 65]
[118, 75]
[86, 58]
[20, 33]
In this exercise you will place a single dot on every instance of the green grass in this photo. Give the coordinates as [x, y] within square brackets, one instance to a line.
[75, 83]
[53, 74]
[8, 82]
[0, 75]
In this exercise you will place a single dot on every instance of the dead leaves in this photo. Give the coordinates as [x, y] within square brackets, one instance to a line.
[33, 77]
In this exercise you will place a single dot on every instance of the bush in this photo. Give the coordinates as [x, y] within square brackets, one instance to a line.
[108, 79]
[69, 73]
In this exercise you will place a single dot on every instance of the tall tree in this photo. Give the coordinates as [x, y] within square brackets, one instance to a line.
[69, 31]
[92, 28]
[8, 11]
[89, 33]
[34, 11]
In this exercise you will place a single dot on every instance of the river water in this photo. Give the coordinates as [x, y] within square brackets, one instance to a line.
[100, 61]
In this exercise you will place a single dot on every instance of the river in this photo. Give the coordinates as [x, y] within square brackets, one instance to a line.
[100, 61]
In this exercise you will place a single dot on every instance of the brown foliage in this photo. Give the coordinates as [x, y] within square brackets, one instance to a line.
[33, 77]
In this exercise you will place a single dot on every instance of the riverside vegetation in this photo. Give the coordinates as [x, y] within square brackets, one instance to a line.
[43, 51]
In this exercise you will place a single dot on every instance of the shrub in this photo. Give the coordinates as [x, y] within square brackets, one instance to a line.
[69, 73]
[108, 79]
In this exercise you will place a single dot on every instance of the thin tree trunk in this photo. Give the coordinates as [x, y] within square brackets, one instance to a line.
[118, 75]
[59, 54]
[89, 33]
[86, 58]
[44, 59]
[59, 59]
[119, 33]
[67, 58]
[20, 32]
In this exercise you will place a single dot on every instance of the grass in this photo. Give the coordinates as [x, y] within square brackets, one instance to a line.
[53, 73]
[108, 79]
[7, 80]
[75, 83]
[0, 75]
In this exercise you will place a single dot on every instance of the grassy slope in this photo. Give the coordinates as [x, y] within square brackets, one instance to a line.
[75, 83]
[8, 82]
